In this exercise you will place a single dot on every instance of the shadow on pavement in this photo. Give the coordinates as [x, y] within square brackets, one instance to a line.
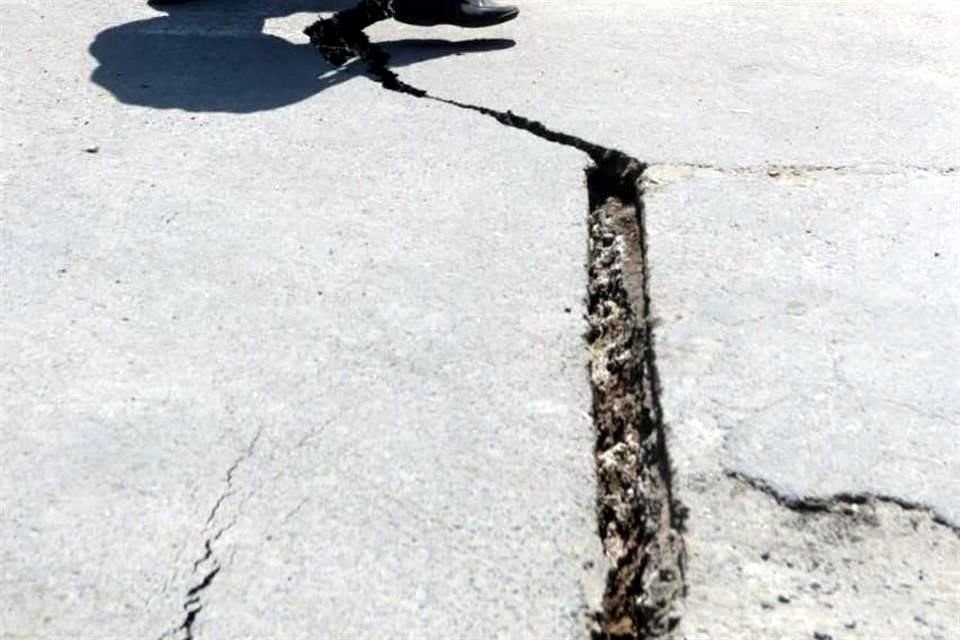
[212, 56]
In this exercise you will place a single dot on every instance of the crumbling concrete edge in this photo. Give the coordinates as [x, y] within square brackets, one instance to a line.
[840, 503]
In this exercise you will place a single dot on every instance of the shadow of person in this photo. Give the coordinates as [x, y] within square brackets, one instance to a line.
[213, 56]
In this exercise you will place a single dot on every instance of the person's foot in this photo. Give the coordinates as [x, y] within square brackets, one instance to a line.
[460, 13]
[329, 36]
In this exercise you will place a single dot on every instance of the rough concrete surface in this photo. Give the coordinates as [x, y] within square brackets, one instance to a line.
[822, 316]
[758, 570]
[285, 354]
[802, 318]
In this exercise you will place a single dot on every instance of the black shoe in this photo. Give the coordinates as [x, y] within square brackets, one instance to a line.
[460, 13]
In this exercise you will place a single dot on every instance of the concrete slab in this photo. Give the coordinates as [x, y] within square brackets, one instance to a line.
[823, 315]
[316, 369]
[807, 342]
[726, 83]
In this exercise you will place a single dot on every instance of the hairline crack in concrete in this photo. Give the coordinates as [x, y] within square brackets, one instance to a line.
[774, 170]
[192, 604]
[639, 521]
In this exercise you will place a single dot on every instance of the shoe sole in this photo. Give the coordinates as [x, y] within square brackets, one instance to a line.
[477, 24]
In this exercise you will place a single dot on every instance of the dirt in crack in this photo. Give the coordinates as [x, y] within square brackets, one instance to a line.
[640, 523]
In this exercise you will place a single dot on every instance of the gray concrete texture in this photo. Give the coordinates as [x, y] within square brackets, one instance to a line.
[727, 83]
[335, 332]
[821, 314]
[807, 342]
[363, 283]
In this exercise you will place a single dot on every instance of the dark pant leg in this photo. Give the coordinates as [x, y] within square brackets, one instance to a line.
[365, 14]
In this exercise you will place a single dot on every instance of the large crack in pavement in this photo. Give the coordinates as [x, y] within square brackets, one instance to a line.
[639, 521]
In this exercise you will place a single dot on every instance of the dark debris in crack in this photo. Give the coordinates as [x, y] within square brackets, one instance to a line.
[640, 522]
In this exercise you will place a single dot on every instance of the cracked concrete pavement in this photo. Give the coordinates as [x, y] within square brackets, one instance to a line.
[804, 318]
[838, 292]
[287, 354]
